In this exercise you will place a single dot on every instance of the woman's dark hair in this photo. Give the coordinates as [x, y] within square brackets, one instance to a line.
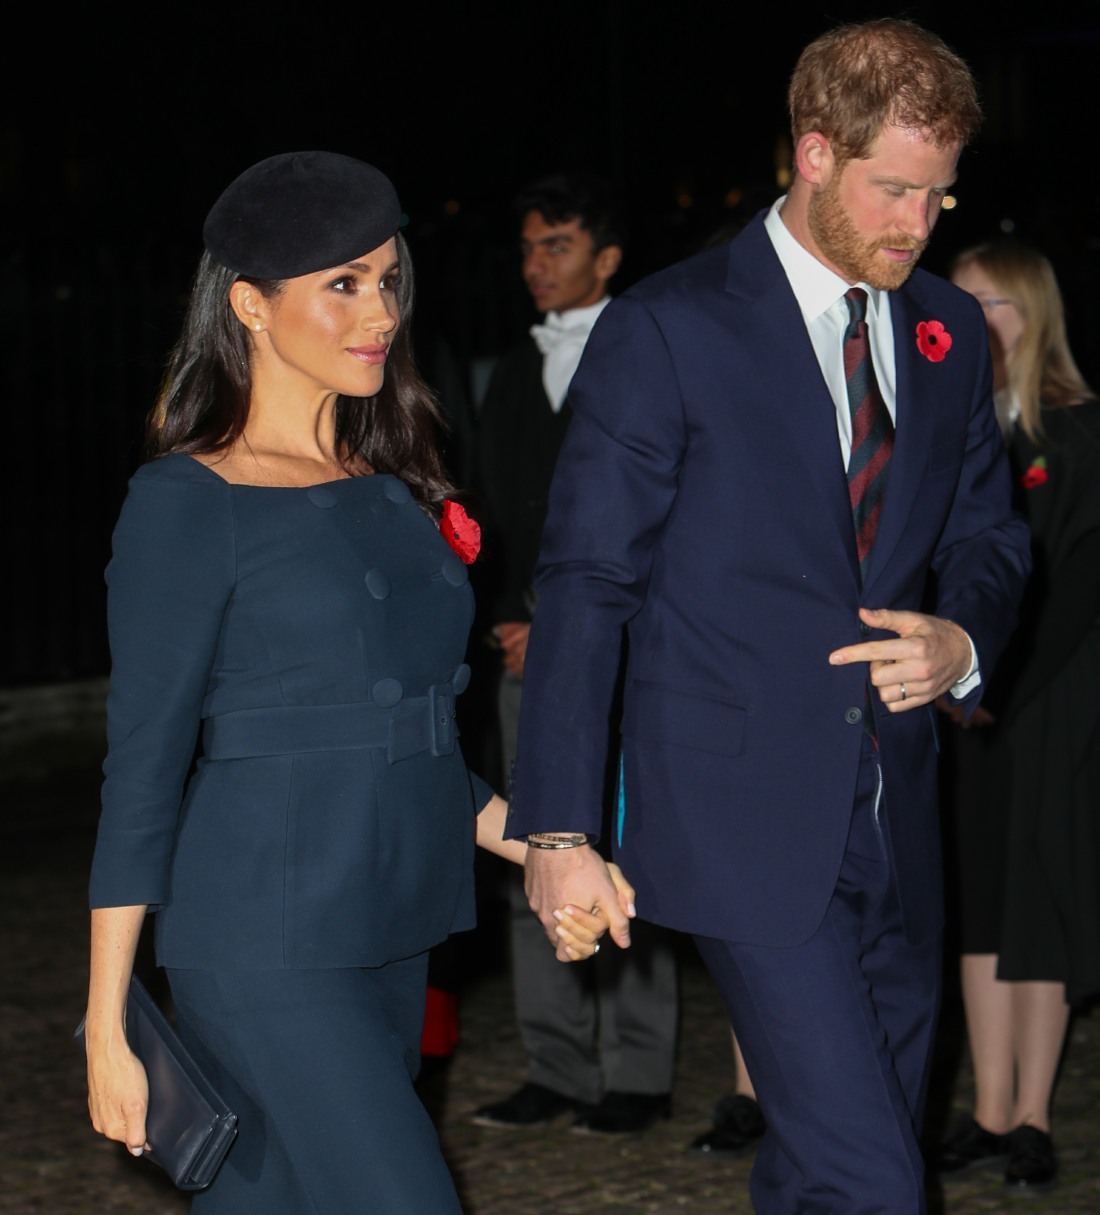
[203, 403]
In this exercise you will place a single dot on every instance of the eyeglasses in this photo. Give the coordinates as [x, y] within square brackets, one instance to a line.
[990, 304]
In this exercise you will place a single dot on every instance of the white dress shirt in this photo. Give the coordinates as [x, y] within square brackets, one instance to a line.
[820, 295]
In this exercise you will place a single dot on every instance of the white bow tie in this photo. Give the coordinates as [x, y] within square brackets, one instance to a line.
[561, 338]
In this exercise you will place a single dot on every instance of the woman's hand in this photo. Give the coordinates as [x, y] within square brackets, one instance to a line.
[624, 888]
[118, 1093]
[579, 932]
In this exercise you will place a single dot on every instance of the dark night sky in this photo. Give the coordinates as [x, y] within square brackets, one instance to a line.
[121, 125]
[145, 122]
[121, 133]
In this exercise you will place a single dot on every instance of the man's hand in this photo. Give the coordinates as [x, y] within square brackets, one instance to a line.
[512, 635]
[559, 877]
[928, 656]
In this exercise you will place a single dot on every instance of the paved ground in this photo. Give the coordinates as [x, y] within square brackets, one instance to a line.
[51, 1162]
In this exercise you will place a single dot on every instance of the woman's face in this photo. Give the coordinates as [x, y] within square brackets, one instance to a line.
[1002, 315]
[331, 331]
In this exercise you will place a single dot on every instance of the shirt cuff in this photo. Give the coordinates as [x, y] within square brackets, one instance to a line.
[971, 679]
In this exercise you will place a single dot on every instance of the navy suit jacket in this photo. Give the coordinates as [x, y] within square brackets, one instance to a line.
[700, 501]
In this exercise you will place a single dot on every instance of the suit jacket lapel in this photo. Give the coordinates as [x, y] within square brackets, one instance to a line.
[772, 322]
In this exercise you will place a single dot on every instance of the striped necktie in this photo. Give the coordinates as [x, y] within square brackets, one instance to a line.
[872, 428]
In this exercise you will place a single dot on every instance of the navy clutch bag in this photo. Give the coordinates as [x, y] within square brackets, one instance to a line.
[188, 1127]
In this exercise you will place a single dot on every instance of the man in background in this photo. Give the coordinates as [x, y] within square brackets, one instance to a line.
[600, 1039]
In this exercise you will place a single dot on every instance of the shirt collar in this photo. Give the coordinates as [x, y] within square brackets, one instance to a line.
[815, 286]
[577, 318]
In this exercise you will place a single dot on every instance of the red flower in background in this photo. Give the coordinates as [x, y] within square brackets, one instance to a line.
[933, 340]
[461, 532]
[1036, 474]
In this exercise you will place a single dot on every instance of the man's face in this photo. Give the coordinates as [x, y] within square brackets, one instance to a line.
[561, 268]
[873, 219]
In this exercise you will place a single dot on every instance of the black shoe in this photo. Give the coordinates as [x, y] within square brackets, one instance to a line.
[1031, 1163]
[624, 1114]
[738, 1124]
[970, 1145]
[531, 1105]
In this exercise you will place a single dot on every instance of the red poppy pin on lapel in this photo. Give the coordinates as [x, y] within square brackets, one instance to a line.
[933, 340]
[461, 532]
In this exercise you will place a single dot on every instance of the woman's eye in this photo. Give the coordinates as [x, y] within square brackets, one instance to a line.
[391, 282]
[345, 284]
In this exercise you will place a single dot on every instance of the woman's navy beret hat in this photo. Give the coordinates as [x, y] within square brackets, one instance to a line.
[301, 212]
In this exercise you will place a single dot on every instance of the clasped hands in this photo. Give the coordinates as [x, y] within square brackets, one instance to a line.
[928, 656]
[578, 896]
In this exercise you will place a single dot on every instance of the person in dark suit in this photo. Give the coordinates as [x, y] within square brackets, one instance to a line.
[288, 590]
[601, 1042]
[780, 451]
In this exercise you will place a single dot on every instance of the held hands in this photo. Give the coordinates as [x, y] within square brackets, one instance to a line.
[577, 878]
[579, 931]
[928, 656]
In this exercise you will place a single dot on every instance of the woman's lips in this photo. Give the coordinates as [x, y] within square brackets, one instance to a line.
[369, 354]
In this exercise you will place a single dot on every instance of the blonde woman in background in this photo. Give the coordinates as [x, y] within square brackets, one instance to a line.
[1027, 788]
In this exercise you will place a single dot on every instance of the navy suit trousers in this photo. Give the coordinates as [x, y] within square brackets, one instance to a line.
[837, 1035]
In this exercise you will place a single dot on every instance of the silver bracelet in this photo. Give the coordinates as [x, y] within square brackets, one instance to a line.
[543, 839]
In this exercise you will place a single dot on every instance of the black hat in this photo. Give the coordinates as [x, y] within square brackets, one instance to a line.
[301, 212]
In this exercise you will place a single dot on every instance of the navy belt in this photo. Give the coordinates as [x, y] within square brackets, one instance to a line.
[410, 727]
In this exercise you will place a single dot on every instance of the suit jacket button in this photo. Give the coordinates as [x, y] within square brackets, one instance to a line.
[378, 584]
[853, 716]
[387, 692]
[864, 627]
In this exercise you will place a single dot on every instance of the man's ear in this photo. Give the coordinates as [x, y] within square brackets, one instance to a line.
[814, 159]
[608, 261]
[249, 305]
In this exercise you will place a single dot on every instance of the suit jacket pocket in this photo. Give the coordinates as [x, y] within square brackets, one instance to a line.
[655, 713]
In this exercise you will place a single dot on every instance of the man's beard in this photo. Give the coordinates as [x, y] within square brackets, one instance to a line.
[855, 258]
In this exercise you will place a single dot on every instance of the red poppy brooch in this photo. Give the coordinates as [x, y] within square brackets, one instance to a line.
[933, 340]
[1036, 474]
[461, 532]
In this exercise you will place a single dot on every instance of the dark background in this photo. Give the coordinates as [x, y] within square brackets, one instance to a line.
[119, 129]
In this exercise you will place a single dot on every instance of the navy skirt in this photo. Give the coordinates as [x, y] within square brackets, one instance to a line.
[319, 1066]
